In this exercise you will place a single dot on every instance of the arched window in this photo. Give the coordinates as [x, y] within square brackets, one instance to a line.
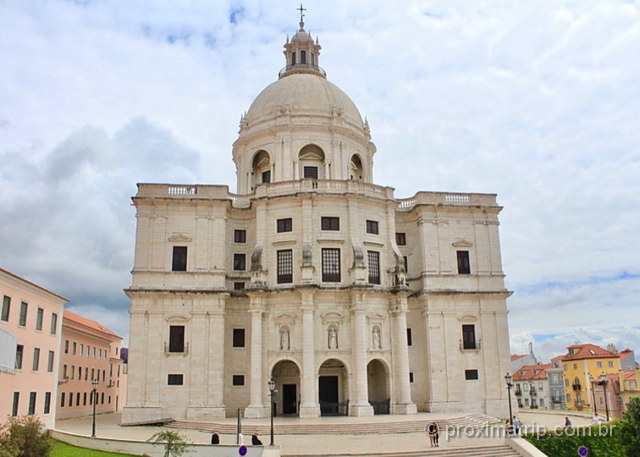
[303, 57]
[355, 168]
[311, 159]
[293, 58]
[261, 168]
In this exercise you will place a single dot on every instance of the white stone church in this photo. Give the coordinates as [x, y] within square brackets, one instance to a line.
[353, 301]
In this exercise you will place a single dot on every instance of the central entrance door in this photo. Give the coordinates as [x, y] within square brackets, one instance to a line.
[289, 399]
[328, 393]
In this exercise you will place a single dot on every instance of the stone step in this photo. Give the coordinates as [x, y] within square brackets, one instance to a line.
[339, 428]
[467, 451]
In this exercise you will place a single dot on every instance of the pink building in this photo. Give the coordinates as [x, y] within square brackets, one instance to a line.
[30, 335]
[89, 352]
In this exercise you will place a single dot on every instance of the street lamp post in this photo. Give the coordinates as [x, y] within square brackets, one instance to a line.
[603, 382]
[508, 379]
[272, 391]
[593, 392]
[94, 392]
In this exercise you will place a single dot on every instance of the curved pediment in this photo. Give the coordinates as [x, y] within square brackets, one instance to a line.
[179, 237]
[462, 243]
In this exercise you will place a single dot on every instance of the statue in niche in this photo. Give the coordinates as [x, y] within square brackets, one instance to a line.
[285, 340]
[333, 338]
[401, 272]
[358, 257]
[307, 250]
[256, 259]
[376, 338]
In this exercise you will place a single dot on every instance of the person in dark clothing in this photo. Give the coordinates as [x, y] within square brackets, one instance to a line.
[434, 436]
[255, 440]
[215, 439]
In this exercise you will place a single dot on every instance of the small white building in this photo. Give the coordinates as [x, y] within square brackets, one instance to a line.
[353, 301]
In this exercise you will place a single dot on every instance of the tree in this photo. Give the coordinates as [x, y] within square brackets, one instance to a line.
[175, 445]
[630, 429]
[25, 436]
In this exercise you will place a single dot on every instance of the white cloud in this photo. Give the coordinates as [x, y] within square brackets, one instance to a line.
[536, 101]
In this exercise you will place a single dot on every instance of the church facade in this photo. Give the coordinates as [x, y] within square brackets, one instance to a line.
[353, 301]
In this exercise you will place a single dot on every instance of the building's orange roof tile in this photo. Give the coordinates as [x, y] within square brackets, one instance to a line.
[516, 357]
[629, 375]
[88, 323]
[588, 351]
[531, 372]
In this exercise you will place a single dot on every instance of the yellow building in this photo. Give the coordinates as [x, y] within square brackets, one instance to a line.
[629, 386]
[585, 361]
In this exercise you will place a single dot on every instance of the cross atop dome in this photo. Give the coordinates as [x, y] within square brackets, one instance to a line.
[302, 53]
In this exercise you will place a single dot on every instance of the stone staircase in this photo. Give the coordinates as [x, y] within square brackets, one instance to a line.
[468, 451]
[335, 428]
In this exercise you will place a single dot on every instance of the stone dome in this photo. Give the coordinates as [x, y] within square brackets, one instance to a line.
[303, 94]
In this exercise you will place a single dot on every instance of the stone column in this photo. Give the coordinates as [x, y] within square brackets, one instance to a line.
[256, 408]
[402, 403]
[360, 403]
[308, 406]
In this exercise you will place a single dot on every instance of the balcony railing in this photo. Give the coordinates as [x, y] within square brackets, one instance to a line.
[576, 386]
[169, 350]
[302, 68]
[471, 346]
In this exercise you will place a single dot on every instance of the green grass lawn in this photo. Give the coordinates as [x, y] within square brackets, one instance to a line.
[66, 450]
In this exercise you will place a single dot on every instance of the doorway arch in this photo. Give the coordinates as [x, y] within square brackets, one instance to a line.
[286, 374]
[333, 388]
[378, 386]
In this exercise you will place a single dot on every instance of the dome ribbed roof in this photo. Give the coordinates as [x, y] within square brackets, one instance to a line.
[306, 94]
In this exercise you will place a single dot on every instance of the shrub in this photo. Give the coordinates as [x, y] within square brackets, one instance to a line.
[175, 445]
[25, 436]
[630, 429]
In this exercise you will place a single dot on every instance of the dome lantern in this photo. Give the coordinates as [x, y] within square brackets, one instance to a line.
[302, 53]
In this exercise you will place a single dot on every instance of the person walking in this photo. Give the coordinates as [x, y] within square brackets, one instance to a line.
[434, 436]
[567, 422]
[517, 425]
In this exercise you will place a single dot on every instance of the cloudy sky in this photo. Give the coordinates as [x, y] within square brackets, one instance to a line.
[536, 100]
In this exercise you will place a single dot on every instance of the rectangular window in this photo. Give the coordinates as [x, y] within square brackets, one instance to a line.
[54, 324]
[173, 380]
[179, 258]
[6, 308]
[66, 346]
[102, 398]
[284, 225]
[463, 262]
[238, 337]
[409, 338]
[293, 58]
[75, 347]
[64, 371]
[62, 400]
[469, 336]
[285, 266]
[471, 375]
[94, 352]
[19, 355]
[310, 172]
[406, 263]
[239, 262]
[238, 380]
[239, 236]
[176, 339]
[330, 223]
[372, 227]
[36, 359]
[77, 398]
[47, 402]
[84, 399]
[610, 364]
[238, 286]
[266, 177]
[411, 376]
[80, 373]
[39, 318]
[16, 403]
[374, 267]
[50, 362]
[599, 364]
[330, 264]
[401, 239]
[32, 403]
[73, 372]
[90, 397]
[23, 314]
[93, 373]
